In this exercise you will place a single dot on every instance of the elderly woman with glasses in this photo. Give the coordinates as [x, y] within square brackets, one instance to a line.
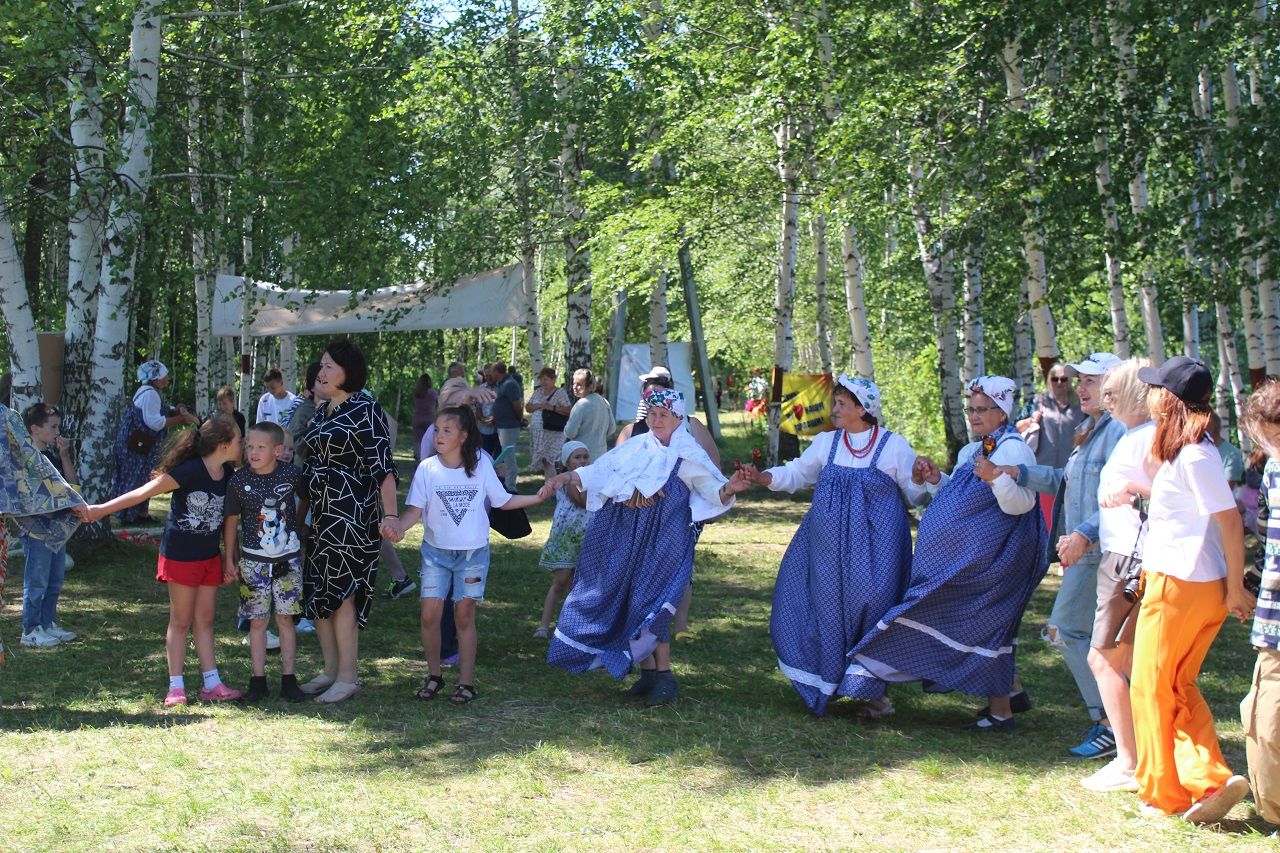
[850, 559]
[981, 550]
[637, 553]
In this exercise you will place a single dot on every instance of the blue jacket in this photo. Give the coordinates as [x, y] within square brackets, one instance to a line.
[1076, 485]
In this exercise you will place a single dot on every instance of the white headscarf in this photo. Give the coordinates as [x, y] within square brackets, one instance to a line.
[866, 392]
[998, 388]
[643, 464]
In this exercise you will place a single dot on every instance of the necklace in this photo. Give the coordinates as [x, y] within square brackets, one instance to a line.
[866, 449]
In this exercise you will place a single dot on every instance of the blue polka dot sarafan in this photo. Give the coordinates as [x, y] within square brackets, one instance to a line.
[973, 573]
[846, 566]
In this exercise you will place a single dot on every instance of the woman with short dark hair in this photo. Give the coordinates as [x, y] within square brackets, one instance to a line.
[350, 484]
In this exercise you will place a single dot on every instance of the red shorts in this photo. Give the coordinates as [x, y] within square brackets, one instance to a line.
[190, 572]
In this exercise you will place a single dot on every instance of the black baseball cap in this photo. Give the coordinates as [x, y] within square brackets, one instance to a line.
[1184, 377]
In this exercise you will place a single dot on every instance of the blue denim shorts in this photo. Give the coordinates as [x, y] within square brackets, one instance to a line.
[466, 570]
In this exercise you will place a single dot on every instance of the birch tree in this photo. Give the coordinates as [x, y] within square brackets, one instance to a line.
[119, 252]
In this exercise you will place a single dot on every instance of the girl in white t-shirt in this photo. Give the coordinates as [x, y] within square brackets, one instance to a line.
[1193, 561]
[451, 493]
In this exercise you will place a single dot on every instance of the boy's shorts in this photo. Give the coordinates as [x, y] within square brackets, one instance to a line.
[190, 572]
[468, 570]
[265, 587]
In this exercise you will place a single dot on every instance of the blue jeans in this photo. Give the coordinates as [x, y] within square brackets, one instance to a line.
[41, 584]
[1072, 618]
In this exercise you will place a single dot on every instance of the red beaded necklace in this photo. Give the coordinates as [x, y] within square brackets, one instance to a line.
[863, 451]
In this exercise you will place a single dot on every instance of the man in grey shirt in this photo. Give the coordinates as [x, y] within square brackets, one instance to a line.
[508, 412]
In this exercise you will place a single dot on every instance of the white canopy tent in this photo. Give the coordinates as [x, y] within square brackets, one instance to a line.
[489, 300]
[636, 363]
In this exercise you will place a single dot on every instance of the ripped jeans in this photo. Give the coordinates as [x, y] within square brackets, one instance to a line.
[467, 570]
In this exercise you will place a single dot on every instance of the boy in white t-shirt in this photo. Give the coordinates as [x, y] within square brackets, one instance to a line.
[276, 402]
[450, 493]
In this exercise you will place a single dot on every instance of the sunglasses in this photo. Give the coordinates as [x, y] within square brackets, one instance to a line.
[1058, 379]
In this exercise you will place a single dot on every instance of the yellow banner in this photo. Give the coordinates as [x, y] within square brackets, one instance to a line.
[806, 403]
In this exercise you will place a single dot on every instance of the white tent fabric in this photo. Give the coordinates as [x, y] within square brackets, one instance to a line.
[490, 299]
[636, 363]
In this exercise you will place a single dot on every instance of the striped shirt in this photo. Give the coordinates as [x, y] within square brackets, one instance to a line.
[1266, 619]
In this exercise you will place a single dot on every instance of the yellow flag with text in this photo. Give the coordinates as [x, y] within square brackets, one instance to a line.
[806, 403]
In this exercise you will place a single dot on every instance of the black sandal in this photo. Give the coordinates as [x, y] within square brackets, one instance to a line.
[430, 688]
[464, 694]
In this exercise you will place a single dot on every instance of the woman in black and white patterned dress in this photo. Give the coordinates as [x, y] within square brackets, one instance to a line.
[348, 481]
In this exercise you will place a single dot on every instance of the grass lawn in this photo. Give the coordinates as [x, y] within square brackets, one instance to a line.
[545, 760]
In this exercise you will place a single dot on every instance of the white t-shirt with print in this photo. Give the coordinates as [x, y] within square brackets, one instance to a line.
[272, 409]
[454, 516]
[1182, 540]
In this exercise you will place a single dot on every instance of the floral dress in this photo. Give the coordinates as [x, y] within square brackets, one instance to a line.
[544, 445]
[568, 527]
[348, 457]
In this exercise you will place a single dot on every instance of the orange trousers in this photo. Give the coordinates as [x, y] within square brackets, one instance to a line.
[1179, 760]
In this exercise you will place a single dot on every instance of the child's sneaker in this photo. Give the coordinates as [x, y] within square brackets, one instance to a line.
[38, 638]
[220, 693]
[305, 626]
[175, 698]
[400, 588]
[59, 634]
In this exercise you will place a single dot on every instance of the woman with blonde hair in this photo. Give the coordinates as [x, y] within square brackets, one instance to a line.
[1193, 563]
[1124, 480]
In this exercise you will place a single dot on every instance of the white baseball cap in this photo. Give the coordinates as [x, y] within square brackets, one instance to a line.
[1097, 364]
[655, 373]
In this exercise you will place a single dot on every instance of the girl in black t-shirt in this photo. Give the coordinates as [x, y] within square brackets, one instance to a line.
[195, 468]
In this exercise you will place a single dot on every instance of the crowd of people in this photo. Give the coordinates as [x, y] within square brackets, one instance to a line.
[1117, 473]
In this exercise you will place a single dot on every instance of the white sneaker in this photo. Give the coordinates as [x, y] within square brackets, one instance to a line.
[273, 642]
[37, 638]
[1112, 777]
[59, 634]
[305, 626]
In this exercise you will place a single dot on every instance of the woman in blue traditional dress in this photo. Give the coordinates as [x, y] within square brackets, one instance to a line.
[850, 559]
[981, 550]
[142, 434]
[637, 554]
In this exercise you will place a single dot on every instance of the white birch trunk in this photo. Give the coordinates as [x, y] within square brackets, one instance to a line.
[1263, 316]
[577, 258]
[942, 299]
[658, 320]
[785, 274]
[199, 258]
[820, 291]
[1190, 329]
[852, 267]
[19, 321]
[289, 343]
[1126, 80]
[247, 350]
[973, 332]
[112, 327]
[855, 303]
[1042, 326]
[1268, 298]
[528, 271]
[1111, 221]
[1230, 368]
[1024, 373]
[84, 229]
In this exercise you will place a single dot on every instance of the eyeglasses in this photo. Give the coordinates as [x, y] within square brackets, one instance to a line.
[979, 410]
